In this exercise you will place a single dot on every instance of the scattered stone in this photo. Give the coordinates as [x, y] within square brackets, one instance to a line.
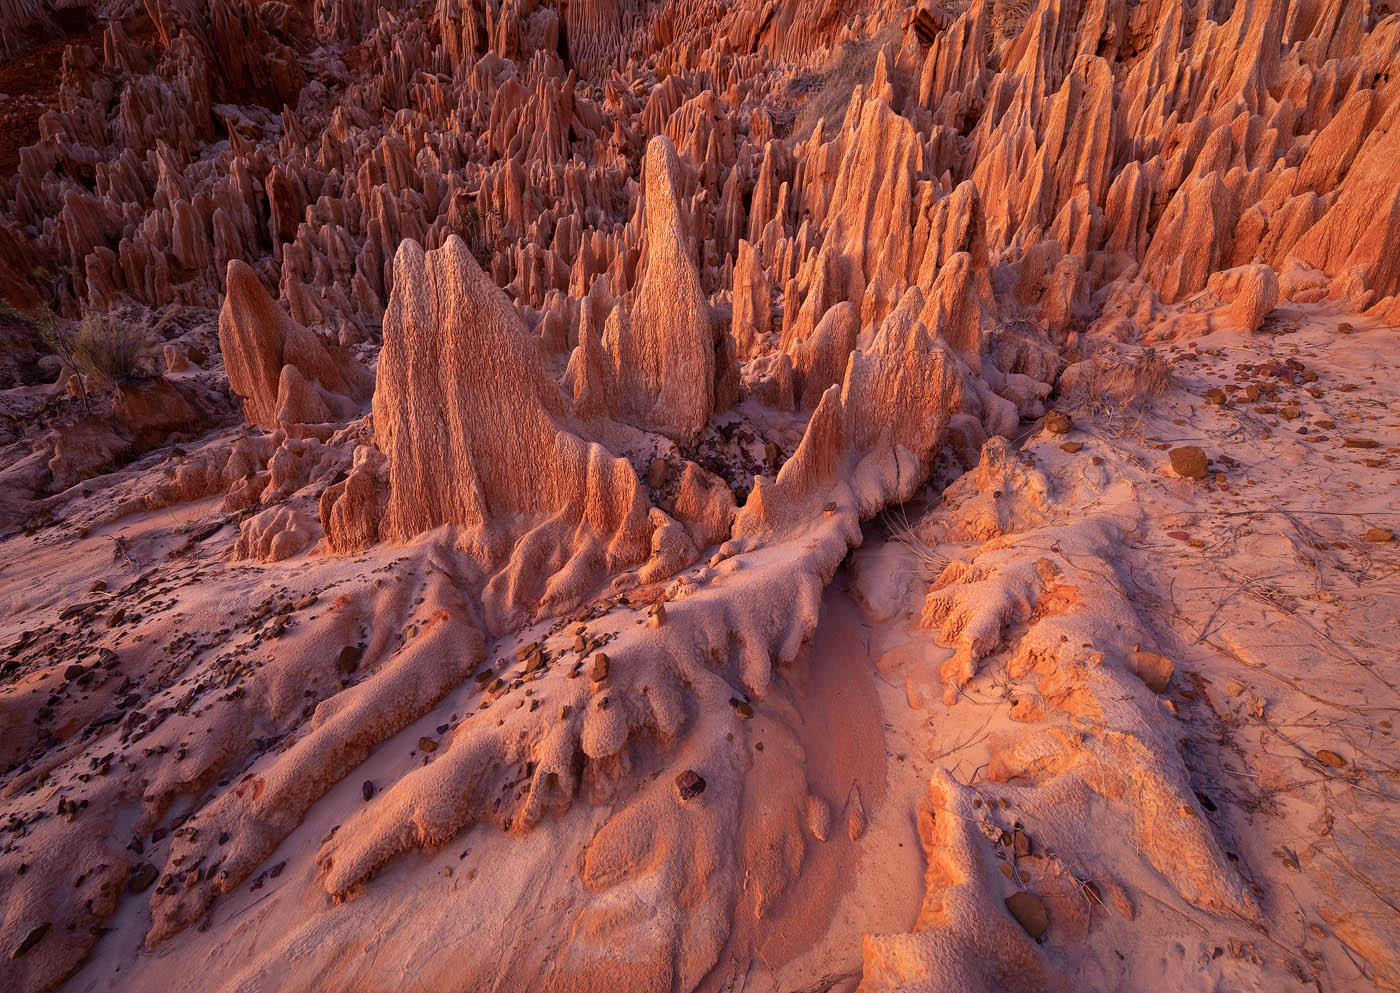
[1344, 327]
[30, 940]
[77, 671]
[1154, 670]
[142, 878]
[1021, 843]
[1058, 423]
[656, 473]
[1189, 462]
[818, 817]
[690, 784]
[427, 745]
[1029, 912]
[855, 815]
[657, 613]
[1073, 447]
[349, 659]
[601, 665]
[367, 790]
[1360, 443]
[1329, 757]
[1379, 536]
[741, 708]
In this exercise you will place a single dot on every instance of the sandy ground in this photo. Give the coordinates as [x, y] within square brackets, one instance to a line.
[1258, 582]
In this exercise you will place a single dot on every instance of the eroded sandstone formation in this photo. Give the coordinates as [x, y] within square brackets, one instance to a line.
[576, 350]
[474, 434]
[285, 374]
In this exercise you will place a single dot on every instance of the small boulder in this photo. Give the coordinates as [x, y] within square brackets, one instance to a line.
[856, 822]
[1058, 423]
[1029, 912]
[1154, 670]
[818, 817]
[175, 360]
[142, 878]
[1329, 757]
[690, 784]
[349, 658]
[1189, 462]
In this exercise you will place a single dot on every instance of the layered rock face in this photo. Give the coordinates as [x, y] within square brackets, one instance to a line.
[578, 348]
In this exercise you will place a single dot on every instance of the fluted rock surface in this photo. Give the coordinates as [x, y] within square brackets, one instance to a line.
[284, 373]
[475, 435]
[663, 353]
[685, 319]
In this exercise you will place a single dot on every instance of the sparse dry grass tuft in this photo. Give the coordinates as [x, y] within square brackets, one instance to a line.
[105, 346]
[1116, 387]
[851, 63]
[479, 235]
[900, 528]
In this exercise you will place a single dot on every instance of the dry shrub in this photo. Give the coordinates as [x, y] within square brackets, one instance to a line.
[478, 235]
[1120, 382]
[105, 346]
[829, 93]
[1009, 19]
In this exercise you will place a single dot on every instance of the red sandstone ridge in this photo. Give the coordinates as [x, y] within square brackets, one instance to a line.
[592, 494]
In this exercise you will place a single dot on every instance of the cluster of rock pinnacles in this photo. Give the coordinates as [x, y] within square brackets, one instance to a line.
[480, 267]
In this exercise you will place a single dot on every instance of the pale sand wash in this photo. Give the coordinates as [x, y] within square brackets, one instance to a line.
[598, 525]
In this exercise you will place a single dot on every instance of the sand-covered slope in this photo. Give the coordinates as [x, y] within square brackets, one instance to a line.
[675, 496]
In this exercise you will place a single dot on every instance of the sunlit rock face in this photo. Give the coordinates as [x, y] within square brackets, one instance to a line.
[601, 494]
